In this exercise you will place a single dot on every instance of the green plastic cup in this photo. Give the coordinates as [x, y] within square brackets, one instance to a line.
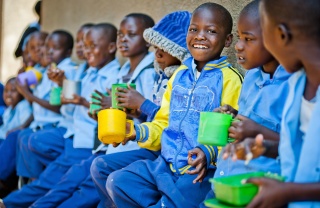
[55, 96]
[213, 128]
[94, 107]
[114, 90]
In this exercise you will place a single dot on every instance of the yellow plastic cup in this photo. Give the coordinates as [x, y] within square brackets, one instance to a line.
[112, 126]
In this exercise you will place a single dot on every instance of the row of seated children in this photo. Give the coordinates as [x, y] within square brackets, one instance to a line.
[100, 47]
[169, 181]
[230, 76]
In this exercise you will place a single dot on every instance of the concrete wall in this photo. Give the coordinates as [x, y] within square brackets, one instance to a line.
[71, 14]
[15, 16]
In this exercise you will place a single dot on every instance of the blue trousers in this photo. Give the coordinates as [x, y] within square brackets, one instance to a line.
[104, 165]
[75, 189]
[44, 146]
[8, 155]
[30, 164]
[147, 183]
[49, 177]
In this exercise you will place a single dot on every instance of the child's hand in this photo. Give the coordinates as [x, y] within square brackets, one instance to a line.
[77, 100]
[200, 164]
[126, 139]
[23, 89]
[246, 150]
[93, 115]
[132, 113]
[226, 109]
[103, 101]
[243, 128]
[272, 193]
[56, 75]
[129, 98]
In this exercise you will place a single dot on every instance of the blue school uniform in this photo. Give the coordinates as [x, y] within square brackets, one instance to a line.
[15, 117]
[47, 144]
[12, 118]
[79, 143]
[300, 161]
[175, 128]
[143, 76]
[262, 100]
[83, 183]
[27, 164]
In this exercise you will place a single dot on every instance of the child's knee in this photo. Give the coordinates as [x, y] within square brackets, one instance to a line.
[97, 166]
[114, 182]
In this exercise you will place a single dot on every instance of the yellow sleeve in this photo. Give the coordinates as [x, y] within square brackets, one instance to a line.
[149, 133]
[232, 82]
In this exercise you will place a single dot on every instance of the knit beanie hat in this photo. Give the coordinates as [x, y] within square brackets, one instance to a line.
[170, 33]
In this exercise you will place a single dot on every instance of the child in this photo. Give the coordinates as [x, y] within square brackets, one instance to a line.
[258, 112]
[100, 46]
[47, 144]
[299, 141]
[14, 117]
[201, 84]
[82, 184]
[168, 37]
[59, 46]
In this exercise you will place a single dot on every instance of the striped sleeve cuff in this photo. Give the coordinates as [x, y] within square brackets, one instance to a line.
[211, 153]
[142, 132]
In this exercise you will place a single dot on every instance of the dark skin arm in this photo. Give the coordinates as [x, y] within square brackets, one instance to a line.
[27, 94]
[56, 76]
[104, 101]
[200, 164]
[253, 148]
[246, 127]
[226, 109]
[273, 193]
[24, 125]
[129, 98]
[77, 100]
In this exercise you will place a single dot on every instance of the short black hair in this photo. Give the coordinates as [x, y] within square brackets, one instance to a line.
[146, 20]
[86, 25]
[251, 9]
[67, 36]
[301, 15]
[109, 29]
[223, 13]
[37, 8]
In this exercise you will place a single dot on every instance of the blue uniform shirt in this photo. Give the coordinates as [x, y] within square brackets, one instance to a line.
[144, 78]
[262, 100]
[43, 116]
[67, 110]
[15, 117]
[84, 126]
[300, 161]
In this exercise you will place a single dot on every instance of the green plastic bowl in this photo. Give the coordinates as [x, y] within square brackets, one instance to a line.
[232, 189]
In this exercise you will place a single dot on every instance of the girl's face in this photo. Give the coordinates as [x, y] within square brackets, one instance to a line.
[34, 48]
[164, 59]
[79, 43]
[56, 49]
[11, 96]
[130, 40]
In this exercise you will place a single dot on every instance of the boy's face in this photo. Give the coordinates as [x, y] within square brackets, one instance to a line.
[251, 52]
[97, 48]
[11, 95]
[130, 40]
[164, 59]
[207, 37]
[274, 43]
[79, 44]
[55, 48]
[34, 48]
